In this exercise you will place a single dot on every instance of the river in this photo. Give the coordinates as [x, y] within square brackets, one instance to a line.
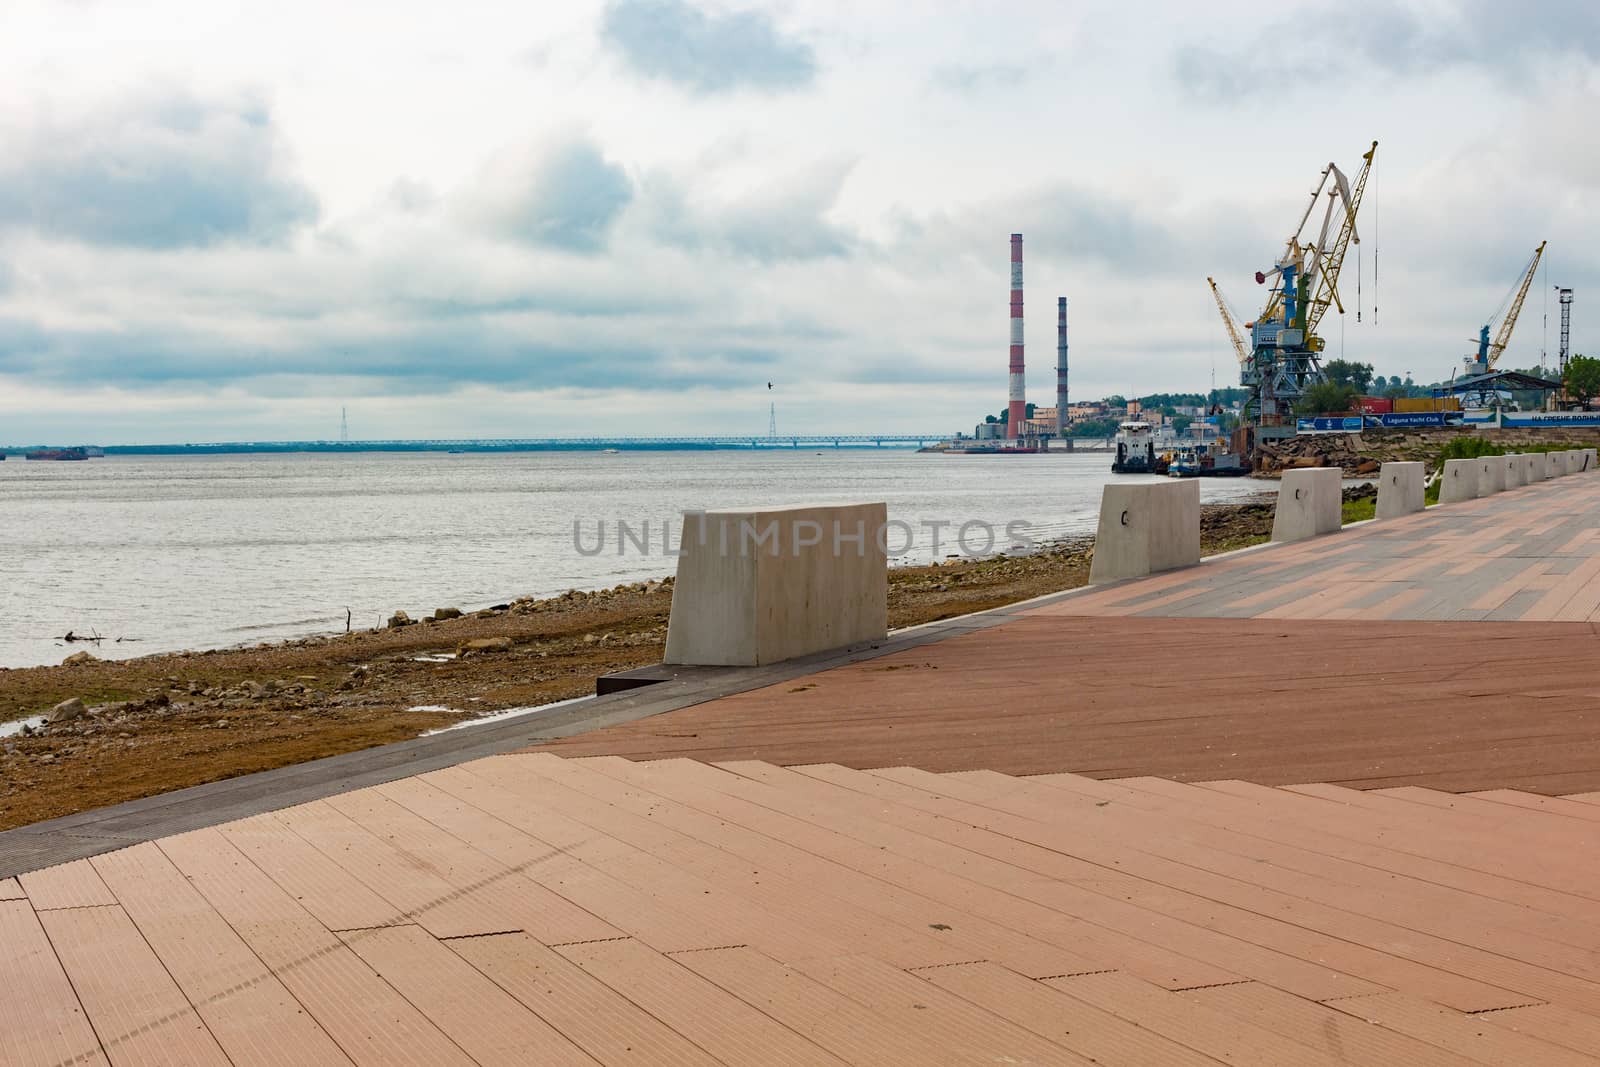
[172, 552]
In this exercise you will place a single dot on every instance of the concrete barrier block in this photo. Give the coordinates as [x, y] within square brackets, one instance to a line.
[1556, 464]
[1400, 489]
[762, 585]
[1310, 502]
[1146, 528]
[1532, 467]
[1513, 471]
[1577, 460]
[1591, 460]
[1491, 476]
[1460, 480]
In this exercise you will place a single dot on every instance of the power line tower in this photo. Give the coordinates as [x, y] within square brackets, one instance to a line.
[344, 427]
[772, 419]
[1566, 328]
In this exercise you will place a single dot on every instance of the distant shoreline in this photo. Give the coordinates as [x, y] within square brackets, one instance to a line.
[753, 443]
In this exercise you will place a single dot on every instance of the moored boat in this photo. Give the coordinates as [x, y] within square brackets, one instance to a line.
[1136, 449]
[1198, 461]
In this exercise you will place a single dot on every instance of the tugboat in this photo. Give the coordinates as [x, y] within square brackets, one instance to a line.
[1136, 449]
[1197, 461]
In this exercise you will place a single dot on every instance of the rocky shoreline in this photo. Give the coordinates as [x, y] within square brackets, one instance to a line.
[131, 728]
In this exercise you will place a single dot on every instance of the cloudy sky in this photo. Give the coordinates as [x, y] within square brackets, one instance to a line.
[225, 221]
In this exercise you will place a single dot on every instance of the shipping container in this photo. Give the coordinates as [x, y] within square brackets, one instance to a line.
[1374, 405]
[1428, 403]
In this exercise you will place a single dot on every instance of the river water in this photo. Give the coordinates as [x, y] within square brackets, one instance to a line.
[172, 552]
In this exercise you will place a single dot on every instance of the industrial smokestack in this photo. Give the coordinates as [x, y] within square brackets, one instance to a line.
[1017, 409]
[1061, 367]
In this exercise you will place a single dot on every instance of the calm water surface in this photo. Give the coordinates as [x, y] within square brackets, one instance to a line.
[207, 551]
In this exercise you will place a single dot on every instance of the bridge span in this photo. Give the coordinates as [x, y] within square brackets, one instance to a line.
[549, 444]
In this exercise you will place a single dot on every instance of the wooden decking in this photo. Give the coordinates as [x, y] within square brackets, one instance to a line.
[1453, 706]
[1531, 554]
[1183, 899]
[1454, 649]
[532, 909]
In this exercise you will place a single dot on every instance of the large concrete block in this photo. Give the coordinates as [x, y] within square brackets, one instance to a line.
[1532, 467]
[1591, 460]
[1578, 460]
[1460, 480]
[1400, 489]
[1310, 502]
[1146, 528]
[1512, 476]
[762, 585]
[1556, 464]
[1491, 476]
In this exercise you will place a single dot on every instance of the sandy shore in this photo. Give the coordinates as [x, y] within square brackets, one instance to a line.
[167, 721]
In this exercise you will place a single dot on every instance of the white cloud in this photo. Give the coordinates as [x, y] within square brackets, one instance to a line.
[469, 240]
[706, 51]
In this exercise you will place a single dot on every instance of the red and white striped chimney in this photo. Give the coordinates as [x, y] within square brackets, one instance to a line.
[1017, 409]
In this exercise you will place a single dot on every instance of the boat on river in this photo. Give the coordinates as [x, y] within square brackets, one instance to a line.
[1136, 449]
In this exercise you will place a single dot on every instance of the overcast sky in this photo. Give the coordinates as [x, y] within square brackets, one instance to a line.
[226, 221]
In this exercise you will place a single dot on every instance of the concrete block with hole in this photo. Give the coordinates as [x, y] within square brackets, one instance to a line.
[1513, 471]
[762, 585]
[1578, 461]
[1532, 467]
[1556, 463]
[1491, 475]
[1146, 528]
[1310, 503]
[1400, 489]
[1460, 480]
[1588, 465]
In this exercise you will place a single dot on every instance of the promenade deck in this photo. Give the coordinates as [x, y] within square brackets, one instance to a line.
[1347, 659]
[1079, 833]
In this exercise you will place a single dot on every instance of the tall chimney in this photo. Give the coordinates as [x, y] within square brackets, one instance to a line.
[1017, 409]
[1061, 367]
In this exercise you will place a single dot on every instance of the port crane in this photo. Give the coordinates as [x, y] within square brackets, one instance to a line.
[1489, 352]
[1284, 355]
[1230, 322]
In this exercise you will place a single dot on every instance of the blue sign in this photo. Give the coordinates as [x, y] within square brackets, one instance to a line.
[1330, 424]
[1413, 418]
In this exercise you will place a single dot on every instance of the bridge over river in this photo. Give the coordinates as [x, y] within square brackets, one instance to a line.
[540, 444]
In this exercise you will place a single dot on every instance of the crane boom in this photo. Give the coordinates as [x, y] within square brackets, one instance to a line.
[1328, 281]
[1239, 346]
[1503, 337]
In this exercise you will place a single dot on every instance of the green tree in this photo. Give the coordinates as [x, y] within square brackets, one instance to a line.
[1583, 377]
[1116, 400]
[1330, 398]
[1093, 428]
[1181, 424]
[1029, 411]
[1348, 372]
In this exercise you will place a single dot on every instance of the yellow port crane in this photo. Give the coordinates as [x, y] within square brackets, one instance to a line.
[1232, 325]
[1311, 268]
[1489, 351]
[1284, 346]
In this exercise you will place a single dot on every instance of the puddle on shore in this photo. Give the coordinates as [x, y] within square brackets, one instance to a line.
[443, 657]
[508, 713]
[13, 729]
[437, 707]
